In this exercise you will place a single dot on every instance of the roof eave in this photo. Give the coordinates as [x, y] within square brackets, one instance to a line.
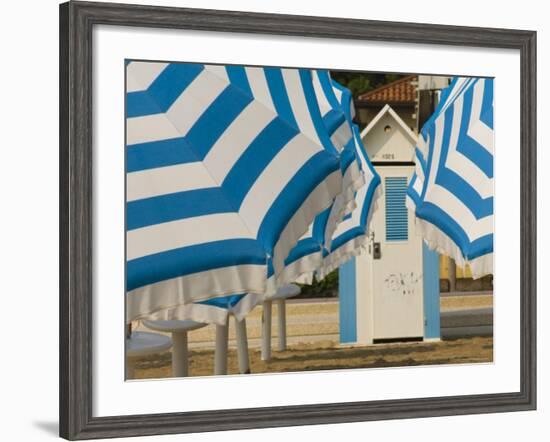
[360, 103]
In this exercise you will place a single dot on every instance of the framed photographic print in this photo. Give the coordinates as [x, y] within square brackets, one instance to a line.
[271, 220]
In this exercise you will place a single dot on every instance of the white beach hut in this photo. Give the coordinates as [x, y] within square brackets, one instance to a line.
[390, 292]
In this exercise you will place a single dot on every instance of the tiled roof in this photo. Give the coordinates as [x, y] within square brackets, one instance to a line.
[399, 91]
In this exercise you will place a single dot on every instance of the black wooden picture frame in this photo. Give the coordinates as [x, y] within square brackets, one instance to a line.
[77, 20]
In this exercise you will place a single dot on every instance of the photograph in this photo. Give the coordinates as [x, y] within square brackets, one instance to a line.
[285, 219]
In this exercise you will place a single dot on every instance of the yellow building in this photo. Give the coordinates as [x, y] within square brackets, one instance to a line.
[444, 262]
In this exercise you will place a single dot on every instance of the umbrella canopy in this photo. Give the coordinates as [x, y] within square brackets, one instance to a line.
[227, 166]
[307, 256]
[212, 311]
[351, 235]
[338, 233]
[452, 190]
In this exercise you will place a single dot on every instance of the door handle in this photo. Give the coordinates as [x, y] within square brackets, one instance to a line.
[376, 251]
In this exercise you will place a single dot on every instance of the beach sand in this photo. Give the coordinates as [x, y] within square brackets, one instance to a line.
[328, 355]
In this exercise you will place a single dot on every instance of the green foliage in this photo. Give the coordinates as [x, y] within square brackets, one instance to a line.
[326, 288]
[359, 82]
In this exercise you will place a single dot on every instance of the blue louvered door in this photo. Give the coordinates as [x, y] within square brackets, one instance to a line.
[397, 225]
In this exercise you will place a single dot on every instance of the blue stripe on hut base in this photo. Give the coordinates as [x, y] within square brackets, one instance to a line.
[348, 302]
[430, 258]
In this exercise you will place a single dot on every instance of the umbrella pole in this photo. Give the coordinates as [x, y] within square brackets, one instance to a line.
[180, 364]
[242, 346]
[130, 372]
[281, 323]
[220, 356]
[452, 275]
[266, 331]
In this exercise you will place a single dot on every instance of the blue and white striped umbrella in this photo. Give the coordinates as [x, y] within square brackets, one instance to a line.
[351, 235]
[307, 256]
[452, 189]
[227, 166]
[339, 232]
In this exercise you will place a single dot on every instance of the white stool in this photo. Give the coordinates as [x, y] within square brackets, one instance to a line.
[180, 353]
[280, 298]
[143, 344]
[242, 346]
[220, 355]
[179, 329]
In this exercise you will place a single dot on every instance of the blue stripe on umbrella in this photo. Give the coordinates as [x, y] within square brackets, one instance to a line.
[160, 153]
[192, 259]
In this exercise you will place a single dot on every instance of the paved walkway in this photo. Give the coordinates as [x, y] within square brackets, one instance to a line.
[316, 320]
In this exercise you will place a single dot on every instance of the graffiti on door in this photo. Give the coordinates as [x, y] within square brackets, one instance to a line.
[404, 283]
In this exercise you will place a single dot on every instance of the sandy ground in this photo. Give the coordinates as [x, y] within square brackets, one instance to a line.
[328, 355]
[312, 336]
[449, 302]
